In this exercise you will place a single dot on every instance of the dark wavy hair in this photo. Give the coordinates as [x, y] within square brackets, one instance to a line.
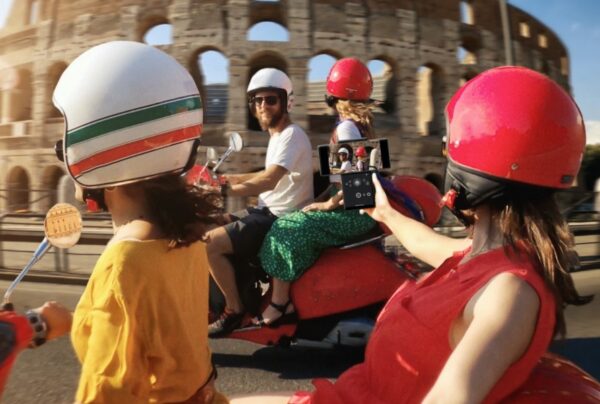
[534, 220]
[182, 211]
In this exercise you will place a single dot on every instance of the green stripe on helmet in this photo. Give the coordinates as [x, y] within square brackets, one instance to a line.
[131, 118]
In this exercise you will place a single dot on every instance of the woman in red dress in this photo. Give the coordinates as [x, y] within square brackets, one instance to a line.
[474, 329]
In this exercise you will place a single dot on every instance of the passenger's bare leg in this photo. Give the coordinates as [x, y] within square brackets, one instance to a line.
[217, 249]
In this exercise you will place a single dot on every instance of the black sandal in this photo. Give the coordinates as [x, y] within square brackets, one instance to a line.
[285, 318]
[225, 324]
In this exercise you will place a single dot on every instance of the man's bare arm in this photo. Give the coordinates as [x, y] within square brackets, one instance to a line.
[264, 181]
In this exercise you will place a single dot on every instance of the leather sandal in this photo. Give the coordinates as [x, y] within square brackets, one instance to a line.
[285, 318]
[224, 325]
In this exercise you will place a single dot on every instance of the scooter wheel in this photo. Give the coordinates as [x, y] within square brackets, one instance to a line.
[285, 341]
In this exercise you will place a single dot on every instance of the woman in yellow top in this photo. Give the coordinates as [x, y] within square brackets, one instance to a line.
[133, 122]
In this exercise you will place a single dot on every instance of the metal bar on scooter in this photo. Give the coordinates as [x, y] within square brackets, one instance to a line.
[222, 159]
[37, 255]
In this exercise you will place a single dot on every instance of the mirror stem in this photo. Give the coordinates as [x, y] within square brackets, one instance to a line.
[37, 255]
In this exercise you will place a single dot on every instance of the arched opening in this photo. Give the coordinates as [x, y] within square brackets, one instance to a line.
[268, 31]
[50, 180]
[260, 61]
[155, 30]
[467, 16]
[524, 29]
[18, 190]
[54, 73]
[384, 85]
[212, 78]
[466, 56]
[321, 118]
[430, 100]
[542, 41]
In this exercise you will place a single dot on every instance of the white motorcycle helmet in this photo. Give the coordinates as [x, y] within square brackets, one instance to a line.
[131, 112]
[269, 79]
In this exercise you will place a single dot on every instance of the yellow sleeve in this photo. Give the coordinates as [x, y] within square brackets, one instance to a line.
[113, 369]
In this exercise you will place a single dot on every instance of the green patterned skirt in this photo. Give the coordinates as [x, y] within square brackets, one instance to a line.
[296, 240]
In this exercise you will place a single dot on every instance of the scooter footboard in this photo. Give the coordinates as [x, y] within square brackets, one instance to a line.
[343, 281]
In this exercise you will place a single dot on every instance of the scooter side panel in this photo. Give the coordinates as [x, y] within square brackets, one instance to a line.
[265, 335]
[345, 280]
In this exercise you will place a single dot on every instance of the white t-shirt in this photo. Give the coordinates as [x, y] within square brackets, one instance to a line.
[347, 131]
[346, 167]
[290, 149]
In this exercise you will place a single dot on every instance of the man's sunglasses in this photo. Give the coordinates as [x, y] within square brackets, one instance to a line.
[58, 149]
[269, 100]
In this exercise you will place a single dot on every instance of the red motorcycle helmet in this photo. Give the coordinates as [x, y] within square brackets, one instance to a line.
[511, 128]
[350, 79]
[361, 152]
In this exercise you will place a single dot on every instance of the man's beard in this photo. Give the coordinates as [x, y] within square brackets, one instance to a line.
[270, 122]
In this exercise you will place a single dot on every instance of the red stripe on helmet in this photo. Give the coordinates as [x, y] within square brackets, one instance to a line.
[134, 148]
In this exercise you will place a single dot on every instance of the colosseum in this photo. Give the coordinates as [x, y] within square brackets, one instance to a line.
[427, 48]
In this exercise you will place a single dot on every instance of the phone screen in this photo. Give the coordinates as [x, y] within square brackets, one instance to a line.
[354, 156]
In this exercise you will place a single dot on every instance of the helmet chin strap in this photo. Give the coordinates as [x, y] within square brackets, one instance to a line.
[94, 200]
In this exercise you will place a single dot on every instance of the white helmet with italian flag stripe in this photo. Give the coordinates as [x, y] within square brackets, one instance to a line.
[132, 113]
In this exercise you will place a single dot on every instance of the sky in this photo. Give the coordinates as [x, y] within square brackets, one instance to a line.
[576, 22]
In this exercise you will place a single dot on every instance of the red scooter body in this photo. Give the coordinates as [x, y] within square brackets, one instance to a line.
[555, 380]
[340, 281]
[16, 334]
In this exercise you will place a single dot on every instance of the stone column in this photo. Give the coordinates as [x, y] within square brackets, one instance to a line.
[128, 22]
[237, 21]
[357, 27]
[298, 75]
[236, 103]
[406, 73]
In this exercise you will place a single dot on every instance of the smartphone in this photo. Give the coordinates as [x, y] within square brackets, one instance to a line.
[358, 188]
[354, 156]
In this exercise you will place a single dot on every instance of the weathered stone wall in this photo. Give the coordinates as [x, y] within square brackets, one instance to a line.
[410, 36]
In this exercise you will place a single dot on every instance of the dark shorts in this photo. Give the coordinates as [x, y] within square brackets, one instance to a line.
[248, 230]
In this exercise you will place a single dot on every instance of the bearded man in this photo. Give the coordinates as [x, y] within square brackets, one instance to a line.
[285, 185]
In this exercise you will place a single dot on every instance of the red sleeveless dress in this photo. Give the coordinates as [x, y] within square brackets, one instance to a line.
[409, 345]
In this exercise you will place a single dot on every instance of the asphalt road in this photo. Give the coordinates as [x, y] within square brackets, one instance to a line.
[49, 374]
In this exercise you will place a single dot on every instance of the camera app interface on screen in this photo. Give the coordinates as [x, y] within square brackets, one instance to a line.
[358, 188]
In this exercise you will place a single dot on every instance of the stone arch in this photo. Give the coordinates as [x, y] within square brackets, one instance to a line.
[430, 99]
[22, 96]
[150, 22]
[436, 179]
[259, 61]
[261, 11]
[321, 118]
[212, 84]
[268, 31]
[385, 84]
[17, 182]
[53, 75]
[50, 179]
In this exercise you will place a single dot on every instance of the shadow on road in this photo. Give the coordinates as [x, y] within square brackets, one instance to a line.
[293, 363]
